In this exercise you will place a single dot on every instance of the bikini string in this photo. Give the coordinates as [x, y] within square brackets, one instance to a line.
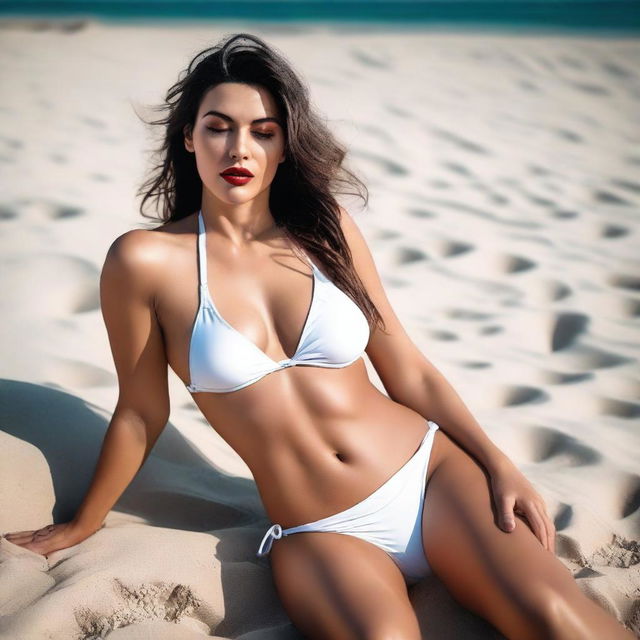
[274, 533]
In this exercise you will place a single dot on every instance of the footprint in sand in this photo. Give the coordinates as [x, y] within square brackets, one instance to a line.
[385, 166]
[547, 444]
[618, 408]
[422, 213]
[51, 284]
[581, 357]
[610, 231]
[8, 212]
[559, 377]
[627, 281]
[563, 517]
[628, 185]
[620, 552]
[567, 328]
[408, 255]
[606, 197]
[154, 600]
[514, 395]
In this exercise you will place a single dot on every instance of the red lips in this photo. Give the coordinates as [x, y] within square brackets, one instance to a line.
[237, 171]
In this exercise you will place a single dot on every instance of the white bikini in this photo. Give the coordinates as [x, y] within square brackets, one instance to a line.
[221, 359]
[335, 334]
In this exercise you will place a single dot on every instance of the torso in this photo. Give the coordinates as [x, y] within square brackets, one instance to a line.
[317, 440]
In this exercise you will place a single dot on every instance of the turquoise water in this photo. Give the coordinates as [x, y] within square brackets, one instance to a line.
[616, 15]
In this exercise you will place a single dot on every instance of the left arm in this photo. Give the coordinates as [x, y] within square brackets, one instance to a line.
[412, 380]
[408, 376]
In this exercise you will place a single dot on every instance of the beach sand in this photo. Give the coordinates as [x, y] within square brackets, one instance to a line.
[504, 175]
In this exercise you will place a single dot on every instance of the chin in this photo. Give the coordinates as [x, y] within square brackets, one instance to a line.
[236, 198]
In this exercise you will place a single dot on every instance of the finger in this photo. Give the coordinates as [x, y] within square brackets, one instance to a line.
[507, 519]
[548, 525]
[33, 536]
[536, 524]
[551, 531]
[21, 537]
[545, 526]
[27, 542]
[24, 542]
[18, 534]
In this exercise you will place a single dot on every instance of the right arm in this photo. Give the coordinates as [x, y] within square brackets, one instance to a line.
[127, 293]
[127, 286]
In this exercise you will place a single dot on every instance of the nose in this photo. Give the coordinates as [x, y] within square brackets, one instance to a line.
[239, 148]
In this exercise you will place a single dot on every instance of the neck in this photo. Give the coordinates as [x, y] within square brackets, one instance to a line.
[239, 224]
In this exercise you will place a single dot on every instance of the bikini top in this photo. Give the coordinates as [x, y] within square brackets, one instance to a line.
[222, 359]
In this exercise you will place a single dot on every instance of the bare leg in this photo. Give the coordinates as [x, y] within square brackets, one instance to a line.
[341, 587]
[509, 579]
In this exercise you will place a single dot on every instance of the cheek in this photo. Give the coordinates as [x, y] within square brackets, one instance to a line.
[274, 155]
[210, 145]
[276, 152]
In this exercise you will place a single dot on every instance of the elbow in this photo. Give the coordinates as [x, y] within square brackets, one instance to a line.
[151, 421]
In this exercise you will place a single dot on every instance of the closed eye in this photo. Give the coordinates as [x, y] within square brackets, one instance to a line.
[257, 133]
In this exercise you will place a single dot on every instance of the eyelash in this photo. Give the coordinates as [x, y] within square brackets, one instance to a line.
[260, 135]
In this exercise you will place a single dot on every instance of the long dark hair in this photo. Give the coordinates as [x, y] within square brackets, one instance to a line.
[302, 192]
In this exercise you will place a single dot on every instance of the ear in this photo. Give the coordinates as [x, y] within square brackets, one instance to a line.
[188, 140]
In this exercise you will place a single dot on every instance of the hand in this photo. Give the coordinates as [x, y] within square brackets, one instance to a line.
[48, 539]
[513, 493]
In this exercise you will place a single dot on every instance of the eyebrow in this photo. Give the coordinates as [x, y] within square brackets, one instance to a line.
[224, 116]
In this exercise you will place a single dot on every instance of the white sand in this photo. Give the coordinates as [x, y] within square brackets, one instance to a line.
[505, 190]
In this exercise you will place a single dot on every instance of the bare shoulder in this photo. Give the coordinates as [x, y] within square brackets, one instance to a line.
[348, 225]
[138, 255]
[137, 247]
[363, 261]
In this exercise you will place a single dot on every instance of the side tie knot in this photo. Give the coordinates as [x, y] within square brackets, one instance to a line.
[274, 533]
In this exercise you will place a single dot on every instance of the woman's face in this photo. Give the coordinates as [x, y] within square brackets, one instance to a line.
[237, 125]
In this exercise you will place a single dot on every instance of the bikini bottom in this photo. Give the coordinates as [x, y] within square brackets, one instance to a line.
[390, 518]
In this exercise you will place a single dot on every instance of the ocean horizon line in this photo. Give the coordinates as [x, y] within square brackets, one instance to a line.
[592, 15]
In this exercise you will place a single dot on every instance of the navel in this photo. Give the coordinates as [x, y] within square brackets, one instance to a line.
[340, 456]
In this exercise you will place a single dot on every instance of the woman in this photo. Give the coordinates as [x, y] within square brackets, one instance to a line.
[270, 301]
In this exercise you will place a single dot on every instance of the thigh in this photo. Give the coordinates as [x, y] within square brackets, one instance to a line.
[337, 586]
[508, 578]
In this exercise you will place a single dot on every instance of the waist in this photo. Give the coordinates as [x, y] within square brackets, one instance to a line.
[323, 467]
